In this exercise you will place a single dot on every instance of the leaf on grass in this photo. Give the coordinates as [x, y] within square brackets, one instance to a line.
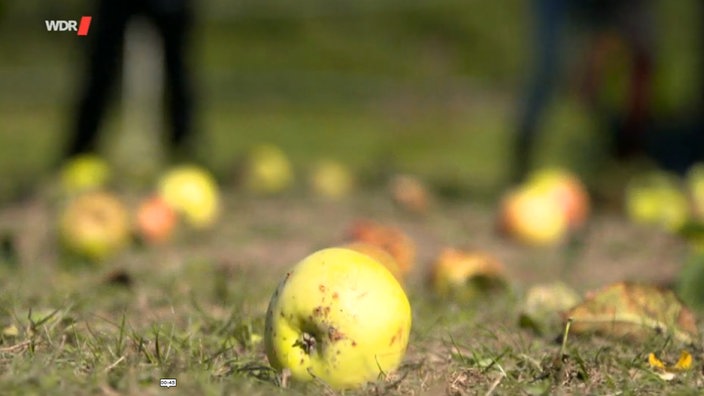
[634, 311]
[668, 372]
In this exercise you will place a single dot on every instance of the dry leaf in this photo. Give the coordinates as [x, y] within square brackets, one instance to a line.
[634, 311]
[667, 373]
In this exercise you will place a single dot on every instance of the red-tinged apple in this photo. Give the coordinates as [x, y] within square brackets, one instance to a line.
[380, 255]
[339, 317]
[409, 193]
[267, 170]
[83, 173]
[155, 220]
[94, 225]
[192, 192]
[567, 191]
[331, 179]
[389, 238]
[532, 217]
[466, 274]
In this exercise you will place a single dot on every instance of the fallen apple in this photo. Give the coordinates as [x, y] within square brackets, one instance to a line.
[464, 275]
[340, 317]
[331, 179]
[193, 192]
[657, 199]
[566, 190]
[392, 239]
[409, 193]
[155, 220]
[83, 173]
[267, 170]
[530, 216]
[94, 225]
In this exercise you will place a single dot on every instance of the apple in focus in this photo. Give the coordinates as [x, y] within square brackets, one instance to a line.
[340, 317]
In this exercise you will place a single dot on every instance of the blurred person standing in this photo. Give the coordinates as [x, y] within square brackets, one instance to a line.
[632, 20]
[173, 21]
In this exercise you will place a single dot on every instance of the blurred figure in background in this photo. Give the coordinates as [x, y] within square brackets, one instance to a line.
[632, 21]
[173, 21]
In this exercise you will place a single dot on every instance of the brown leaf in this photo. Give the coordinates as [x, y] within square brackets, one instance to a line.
[634, 311]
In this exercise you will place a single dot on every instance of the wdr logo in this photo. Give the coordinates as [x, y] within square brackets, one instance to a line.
[56, 25]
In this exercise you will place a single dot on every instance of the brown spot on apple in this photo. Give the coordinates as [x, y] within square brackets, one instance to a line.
[397, 336]
[326, 311]
[335, 335]
[335, 296]
[321, 288]
[354, 343]
[317, 311]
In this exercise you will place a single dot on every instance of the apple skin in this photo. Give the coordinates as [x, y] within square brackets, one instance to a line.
[454, 271]
[338, 316]
[656, 199]
[84, 173]
[567, 191]
[192, 192]
[267, 170]
[533, 218]
[94, 225]
[155, 220]
[330, 179]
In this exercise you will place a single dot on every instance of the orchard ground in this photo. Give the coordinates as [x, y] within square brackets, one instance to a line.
[435, 95]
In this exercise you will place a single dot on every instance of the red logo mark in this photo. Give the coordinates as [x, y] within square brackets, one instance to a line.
[84, 25]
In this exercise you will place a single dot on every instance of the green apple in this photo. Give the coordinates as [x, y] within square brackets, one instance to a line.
[94, 225]
[695, 187]
[566, 190]
[656, 198]
[338, 316]
[267, 170]
[84, 172]
[331, 179]
[532, 217]
[192, 192]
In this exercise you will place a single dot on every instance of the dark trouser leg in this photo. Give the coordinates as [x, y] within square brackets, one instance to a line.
[107, 34]
[174, 27]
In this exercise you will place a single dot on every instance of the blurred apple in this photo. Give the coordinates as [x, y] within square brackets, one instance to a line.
[267, 170]
[331, 179]
[84, 172]
[391, 239]
[155, 219]
[532, 216]
[380, 255]
[409, 193]
[543, 304]
[193, 192]
[695, 188]
[465, 274]
[656, 198]
[94, 225]
[566, 190]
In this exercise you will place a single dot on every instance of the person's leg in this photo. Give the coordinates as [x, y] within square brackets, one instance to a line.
[174, 23]
[104, 57]
[550, 18]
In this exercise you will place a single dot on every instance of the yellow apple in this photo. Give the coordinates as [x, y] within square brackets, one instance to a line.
[464, 275]
[331, 179]
[94, 225]
[340, 317]
[657, 199]
[84, 172]
[695, 187]
[566, 190]
[267, 170]
[155, 220]
[192, 192]
[532, 217]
